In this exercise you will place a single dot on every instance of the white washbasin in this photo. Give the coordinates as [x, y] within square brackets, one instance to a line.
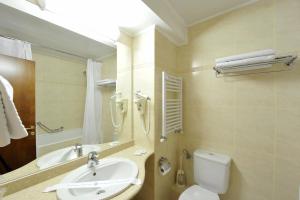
[63, 155]
[107, 169]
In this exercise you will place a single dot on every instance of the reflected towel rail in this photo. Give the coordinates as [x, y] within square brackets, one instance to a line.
[49, 130]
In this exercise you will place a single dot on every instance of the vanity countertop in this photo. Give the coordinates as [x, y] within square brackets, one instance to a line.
[35, 192]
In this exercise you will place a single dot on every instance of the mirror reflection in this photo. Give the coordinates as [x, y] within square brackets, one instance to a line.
[55, 106]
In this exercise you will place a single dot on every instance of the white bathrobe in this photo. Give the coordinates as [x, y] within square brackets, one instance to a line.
[11, 126]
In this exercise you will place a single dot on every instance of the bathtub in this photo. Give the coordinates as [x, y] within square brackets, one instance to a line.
[48, 142]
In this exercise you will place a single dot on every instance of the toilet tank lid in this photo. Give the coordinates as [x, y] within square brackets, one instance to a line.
[220, 158]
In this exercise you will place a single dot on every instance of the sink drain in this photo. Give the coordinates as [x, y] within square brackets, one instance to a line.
[100, 192]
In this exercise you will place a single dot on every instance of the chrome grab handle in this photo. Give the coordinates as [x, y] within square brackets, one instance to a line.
[49, 130]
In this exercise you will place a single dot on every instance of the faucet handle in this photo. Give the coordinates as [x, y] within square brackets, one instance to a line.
[78, 149]
[92, 159]
[92, 155]
[78, 145]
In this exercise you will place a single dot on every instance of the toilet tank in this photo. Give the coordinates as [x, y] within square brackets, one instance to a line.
[211, 171]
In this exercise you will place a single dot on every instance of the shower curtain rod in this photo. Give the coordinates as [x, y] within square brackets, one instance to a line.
[49, 48]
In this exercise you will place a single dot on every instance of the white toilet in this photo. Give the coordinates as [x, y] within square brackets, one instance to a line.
[211, 174]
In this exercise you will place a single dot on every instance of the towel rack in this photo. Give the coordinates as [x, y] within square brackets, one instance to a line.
[171, 105]
[287, 60]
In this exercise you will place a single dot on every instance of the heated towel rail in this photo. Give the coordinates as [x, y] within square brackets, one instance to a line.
[171, 105]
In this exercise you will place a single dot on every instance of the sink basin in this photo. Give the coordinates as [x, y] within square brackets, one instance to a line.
[109, 169]
[63, 155]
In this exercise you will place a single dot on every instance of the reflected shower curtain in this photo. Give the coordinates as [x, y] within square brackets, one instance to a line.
[15, 48]
[93, 105]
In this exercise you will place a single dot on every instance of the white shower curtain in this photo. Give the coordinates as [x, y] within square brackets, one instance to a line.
[15, 48]
[93, 106]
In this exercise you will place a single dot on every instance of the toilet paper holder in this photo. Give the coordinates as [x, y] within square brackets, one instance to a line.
[164, 165]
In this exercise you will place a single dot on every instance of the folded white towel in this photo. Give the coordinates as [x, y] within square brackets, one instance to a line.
[254, 54]
[15, 127]
[245, 62]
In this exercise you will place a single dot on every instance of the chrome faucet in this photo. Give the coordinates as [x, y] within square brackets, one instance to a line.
[78, 149]
[93, 161]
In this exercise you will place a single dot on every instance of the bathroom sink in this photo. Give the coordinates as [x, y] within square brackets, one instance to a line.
[110, 169]
[63, 155]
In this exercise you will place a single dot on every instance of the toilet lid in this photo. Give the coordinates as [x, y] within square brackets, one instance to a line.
[196, 192]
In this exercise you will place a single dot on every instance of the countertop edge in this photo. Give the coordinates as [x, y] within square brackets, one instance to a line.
[34, 192]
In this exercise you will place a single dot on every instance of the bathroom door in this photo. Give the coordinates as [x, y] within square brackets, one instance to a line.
[21, 74]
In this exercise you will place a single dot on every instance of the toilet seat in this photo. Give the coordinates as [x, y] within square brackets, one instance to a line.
[196, 192]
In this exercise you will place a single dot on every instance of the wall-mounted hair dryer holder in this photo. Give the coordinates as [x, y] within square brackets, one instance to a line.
[142, 102]
[121, 107]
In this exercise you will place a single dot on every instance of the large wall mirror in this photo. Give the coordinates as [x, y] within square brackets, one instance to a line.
[69, 104]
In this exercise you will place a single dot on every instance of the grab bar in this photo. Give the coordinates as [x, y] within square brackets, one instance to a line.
[49, 130]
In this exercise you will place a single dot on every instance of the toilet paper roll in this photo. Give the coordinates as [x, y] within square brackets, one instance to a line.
[165, 167]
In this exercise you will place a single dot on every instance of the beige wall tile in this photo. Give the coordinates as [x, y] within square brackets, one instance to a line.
[108, 71]
[165, 60]
[287, 177]
[143, 47]
[60, 91]
[143, 80]
[125, 83]
[252, 118]
[286, 85]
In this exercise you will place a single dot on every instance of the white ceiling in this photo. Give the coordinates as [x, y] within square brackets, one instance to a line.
[92, 33]
[89, 36]
[41, 33]
[177, 15]
[193, 11]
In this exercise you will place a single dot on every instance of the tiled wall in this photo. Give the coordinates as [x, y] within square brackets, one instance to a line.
[255, 119]
[124, 83]
[108, 71]
[152, 54]
[165, 60]
[61, 88]
[60, 91]
[144, 75]
[143, 60]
